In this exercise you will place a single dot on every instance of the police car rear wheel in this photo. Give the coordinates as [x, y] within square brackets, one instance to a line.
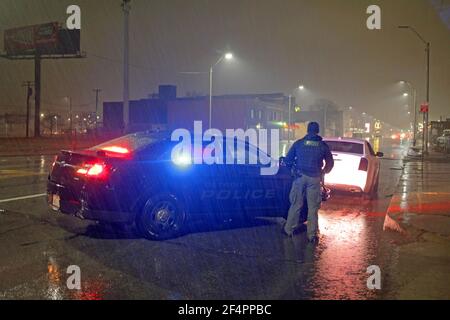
[161, 218]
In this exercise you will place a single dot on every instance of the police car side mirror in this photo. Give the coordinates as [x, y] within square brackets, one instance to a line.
[380, 154]
[282, 162]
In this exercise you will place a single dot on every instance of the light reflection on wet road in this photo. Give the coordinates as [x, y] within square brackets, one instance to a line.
[235, 262]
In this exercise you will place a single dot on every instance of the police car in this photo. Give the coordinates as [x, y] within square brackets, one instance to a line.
[134, 179]
[356, 166]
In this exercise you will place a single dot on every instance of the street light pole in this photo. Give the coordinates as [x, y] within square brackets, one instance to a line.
[227, 56]
[300, 87]
[289, 120]
[126, 111]
[210, 95]
[425, 114]
[428, 96]
[415, 116]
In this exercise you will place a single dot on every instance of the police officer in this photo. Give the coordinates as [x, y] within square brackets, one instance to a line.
[307, 155]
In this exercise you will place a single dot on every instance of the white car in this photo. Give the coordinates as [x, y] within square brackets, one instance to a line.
[443, 142]
[356, 166]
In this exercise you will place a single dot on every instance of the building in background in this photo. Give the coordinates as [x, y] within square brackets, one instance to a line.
[167, 111]
[244, 111]
[145, 114]
[322, 111]
[358, 124]
[437, 128]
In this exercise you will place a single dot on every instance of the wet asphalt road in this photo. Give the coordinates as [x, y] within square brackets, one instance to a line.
[233, 262]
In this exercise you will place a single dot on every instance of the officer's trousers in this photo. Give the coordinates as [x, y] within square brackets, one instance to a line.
[301, 187]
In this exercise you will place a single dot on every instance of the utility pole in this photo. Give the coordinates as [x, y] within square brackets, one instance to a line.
[415, 116]
[126, 7]
[96, 106]
[28, 84]
[428, 96]
[37, 95]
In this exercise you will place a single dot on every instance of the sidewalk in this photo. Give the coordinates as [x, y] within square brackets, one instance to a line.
[420, 212]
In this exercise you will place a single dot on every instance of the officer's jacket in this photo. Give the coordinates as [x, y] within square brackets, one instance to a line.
[308, 156]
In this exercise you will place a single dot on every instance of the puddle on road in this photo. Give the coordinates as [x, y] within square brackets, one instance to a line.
[349, 248]
[57, 288]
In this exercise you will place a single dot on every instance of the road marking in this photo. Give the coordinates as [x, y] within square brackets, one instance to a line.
[23, 198]
[12, 173]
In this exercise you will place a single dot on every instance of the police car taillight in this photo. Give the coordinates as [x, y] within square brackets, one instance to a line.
[363, 164]
[95, 170]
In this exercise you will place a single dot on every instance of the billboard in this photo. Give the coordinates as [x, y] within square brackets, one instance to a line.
[47, 38]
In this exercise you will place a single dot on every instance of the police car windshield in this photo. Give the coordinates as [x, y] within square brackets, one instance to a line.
[347, 147]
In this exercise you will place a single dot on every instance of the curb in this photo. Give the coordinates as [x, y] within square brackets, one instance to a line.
[391, 219]
[37, 153]
[40, 152]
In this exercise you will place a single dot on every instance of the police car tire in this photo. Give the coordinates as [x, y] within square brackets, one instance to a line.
[149, 229]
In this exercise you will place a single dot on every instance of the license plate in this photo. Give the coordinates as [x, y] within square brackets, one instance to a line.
[55, 201]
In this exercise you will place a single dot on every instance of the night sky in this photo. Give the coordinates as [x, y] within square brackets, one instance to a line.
[278, 44]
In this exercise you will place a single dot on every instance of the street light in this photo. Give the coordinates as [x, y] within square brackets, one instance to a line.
[414, 92]
[226, 56]
[229, 56]
[425, 114]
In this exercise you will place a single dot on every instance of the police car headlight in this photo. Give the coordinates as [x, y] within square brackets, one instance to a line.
[182, 160]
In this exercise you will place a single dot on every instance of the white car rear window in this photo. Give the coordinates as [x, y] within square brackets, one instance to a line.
[347, 147]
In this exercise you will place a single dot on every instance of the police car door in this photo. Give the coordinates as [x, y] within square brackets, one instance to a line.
[264, 194]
